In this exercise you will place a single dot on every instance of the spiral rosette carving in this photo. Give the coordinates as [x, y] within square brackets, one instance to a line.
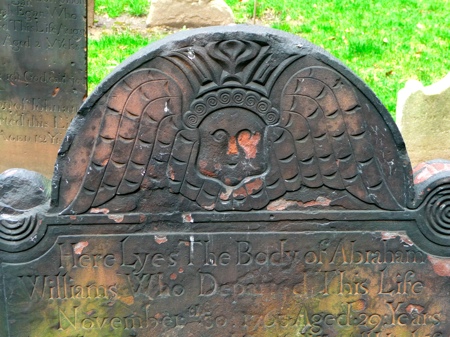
[191, 119]
[438, 211]
[272, 117]
[230, 97]
[238, 96]
[17, 229]
[224, 97]
[200, 109]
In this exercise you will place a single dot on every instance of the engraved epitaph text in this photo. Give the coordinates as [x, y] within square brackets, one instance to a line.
[42, 78]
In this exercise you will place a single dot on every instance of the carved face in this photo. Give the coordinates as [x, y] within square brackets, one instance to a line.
[231, 146]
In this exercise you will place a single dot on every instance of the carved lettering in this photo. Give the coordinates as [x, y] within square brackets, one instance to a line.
[45, 91]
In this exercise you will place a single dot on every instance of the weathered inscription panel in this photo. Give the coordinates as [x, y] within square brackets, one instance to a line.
[42, 78]
[230, 284]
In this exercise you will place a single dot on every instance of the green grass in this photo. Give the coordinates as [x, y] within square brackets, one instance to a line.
[385, 42]
[114, 8]
[109, 51]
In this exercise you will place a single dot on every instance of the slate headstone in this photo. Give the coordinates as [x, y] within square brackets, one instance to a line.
[231, 182]
[42, 78]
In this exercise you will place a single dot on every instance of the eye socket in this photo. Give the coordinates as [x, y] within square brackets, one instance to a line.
[220, 135]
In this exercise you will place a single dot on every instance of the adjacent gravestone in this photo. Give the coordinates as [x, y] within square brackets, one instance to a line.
[423, 116]
[90, 13]
[231, 182]
[42, 78]
[189, 13]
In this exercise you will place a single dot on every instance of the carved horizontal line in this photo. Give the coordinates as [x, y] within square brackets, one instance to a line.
[298, 218]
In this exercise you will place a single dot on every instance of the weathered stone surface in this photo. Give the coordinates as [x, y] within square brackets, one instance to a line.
[423, 116]
[42, 79]
[233, 181]
[189, 13]
[21, 190]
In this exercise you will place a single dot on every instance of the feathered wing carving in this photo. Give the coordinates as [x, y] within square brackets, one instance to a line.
[139, 125]
[332, 141]
[316, 136]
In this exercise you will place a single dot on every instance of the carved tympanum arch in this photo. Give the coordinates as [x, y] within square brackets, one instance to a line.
[235, 119]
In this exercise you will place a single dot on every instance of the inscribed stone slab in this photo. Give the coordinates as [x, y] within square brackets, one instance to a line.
[42, 78]
[232, 181]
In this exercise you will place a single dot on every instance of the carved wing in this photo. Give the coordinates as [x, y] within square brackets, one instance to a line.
[332, 140]
[139, 125]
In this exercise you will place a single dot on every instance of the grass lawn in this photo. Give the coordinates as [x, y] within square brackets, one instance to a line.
[385, 42]
[114, 8]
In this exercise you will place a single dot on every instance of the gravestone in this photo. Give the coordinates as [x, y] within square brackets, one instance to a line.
[42, 78]
[423, 116]
[189, 13]
[233, 181]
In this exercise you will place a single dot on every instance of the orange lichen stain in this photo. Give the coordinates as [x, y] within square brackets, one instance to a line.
[116, 217]
[425, 171]
[158, 315]
[160, 239]
[173, 276]
[224, 196]
[181, 270]
[320, 201]
[90, 312]
[128, 300]
[406, 240]
[280, 204]
[171, 173]
[73, 217]
[188, 218]
[55, 91]
[240, 193]
[249, 143]
[414, 309]
[385, 236]
[207, 173]
[232, 146]
[99, 210]
[283, 204]
[440, 266]
[359, 305]
[78, 248]
[254, 186]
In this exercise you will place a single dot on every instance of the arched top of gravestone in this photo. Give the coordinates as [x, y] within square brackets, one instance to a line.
[231, 119]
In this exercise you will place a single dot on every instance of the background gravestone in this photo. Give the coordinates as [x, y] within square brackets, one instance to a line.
[230, 181]
[42, 78]
[189, 13]
[423, 116]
